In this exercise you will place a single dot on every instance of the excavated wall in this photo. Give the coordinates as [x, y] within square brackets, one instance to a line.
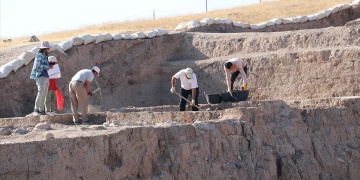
[310, 139]
[282, 65]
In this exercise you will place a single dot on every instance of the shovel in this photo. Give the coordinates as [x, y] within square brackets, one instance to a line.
[234, 99]
[187, 100]
[99, 89]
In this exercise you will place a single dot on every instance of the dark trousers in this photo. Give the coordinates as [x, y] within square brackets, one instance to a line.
[235, 74]
[185, 94]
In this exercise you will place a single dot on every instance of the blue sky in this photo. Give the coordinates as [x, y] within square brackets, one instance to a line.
[37, 17]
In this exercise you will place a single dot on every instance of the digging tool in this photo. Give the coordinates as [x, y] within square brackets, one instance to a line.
[187, 100]
[99, 89]
[233, 97]
[96, 90]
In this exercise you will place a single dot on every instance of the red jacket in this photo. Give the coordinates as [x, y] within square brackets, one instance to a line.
[52, 85]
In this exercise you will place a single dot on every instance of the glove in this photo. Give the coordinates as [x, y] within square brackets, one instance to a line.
[244, 87]
[89, 93]
[193, 102]
[229, 90]
[172, 90]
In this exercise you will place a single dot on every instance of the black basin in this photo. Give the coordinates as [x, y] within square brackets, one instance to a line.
[237, 96]
[213, 98]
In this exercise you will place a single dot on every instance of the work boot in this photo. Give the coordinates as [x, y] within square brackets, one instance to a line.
[43, 113]
[78, 122]
[38, 113]
[51, 113]
[87, 123]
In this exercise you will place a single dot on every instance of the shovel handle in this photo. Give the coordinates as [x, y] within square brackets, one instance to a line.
[187, 100]
[96, 90]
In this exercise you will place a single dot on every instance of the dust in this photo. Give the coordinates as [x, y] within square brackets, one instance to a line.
[94, 108]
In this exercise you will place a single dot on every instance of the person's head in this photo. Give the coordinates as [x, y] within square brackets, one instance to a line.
[52, 60]
[228, 65]
[189, 73]
[96, 70]
[45, 47]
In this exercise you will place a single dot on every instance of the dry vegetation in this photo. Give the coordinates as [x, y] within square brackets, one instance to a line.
[255, 13]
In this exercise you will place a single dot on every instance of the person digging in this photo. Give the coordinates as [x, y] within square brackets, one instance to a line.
[189, 86]
[233, 67]
[79, 92]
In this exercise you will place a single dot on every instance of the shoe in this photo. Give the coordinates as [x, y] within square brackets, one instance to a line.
[51, 113]
[38, 113]
[78, 122]
[43, 113]
[88, 123]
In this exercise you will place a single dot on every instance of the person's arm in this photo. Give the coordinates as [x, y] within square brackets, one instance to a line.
[194, 85]
[87, 83]
[243, 75]
[173, 81]
[40, 63]
[193, 93]
[239, 65]
[227, 78]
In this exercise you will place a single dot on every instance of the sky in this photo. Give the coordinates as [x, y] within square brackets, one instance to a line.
[20, 18]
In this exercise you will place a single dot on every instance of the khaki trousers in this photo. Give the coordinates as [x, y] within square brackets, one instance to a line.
[42, 86]
[79, 100]
[50, 101]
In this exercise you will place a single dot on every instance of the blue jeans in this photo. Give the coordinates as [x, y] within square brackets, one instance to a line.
[42, 85]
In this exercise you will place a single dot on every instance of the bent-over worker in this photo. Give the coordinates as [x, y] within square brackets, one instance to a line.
[79, 92]
[234, 67]
[189, 86]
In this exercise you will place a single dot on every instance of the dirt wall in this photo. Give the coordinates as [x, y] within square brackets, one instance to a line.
[310, 139]
[282, 65]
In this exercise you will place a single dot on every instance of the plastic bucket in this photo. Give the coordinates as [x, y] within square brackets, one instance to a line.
[237, 96]
[213, 98]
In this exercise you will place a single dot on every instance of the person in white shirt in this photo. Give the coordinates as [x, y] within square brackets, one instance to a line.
[234, 67]
[189, 86]
[79, 92]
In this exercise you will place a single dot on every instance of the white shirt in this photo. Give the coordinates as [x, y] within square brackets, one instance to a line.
[83, 76]
[186, 83]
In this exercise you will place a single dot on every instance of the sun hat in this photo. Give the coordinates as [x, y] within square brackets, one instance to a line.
[189, 72]
[97, 69]
[44, 45]
[228, 65]
[52, 59]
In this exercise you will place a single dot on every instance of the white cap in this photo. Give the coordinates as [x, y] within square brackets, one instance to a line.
[189, 72]
[97, 69]
[52, 59]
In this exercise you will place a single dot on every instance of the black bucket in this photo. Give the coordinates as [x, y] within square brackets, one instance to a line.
[237, 96]
[213, 98]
